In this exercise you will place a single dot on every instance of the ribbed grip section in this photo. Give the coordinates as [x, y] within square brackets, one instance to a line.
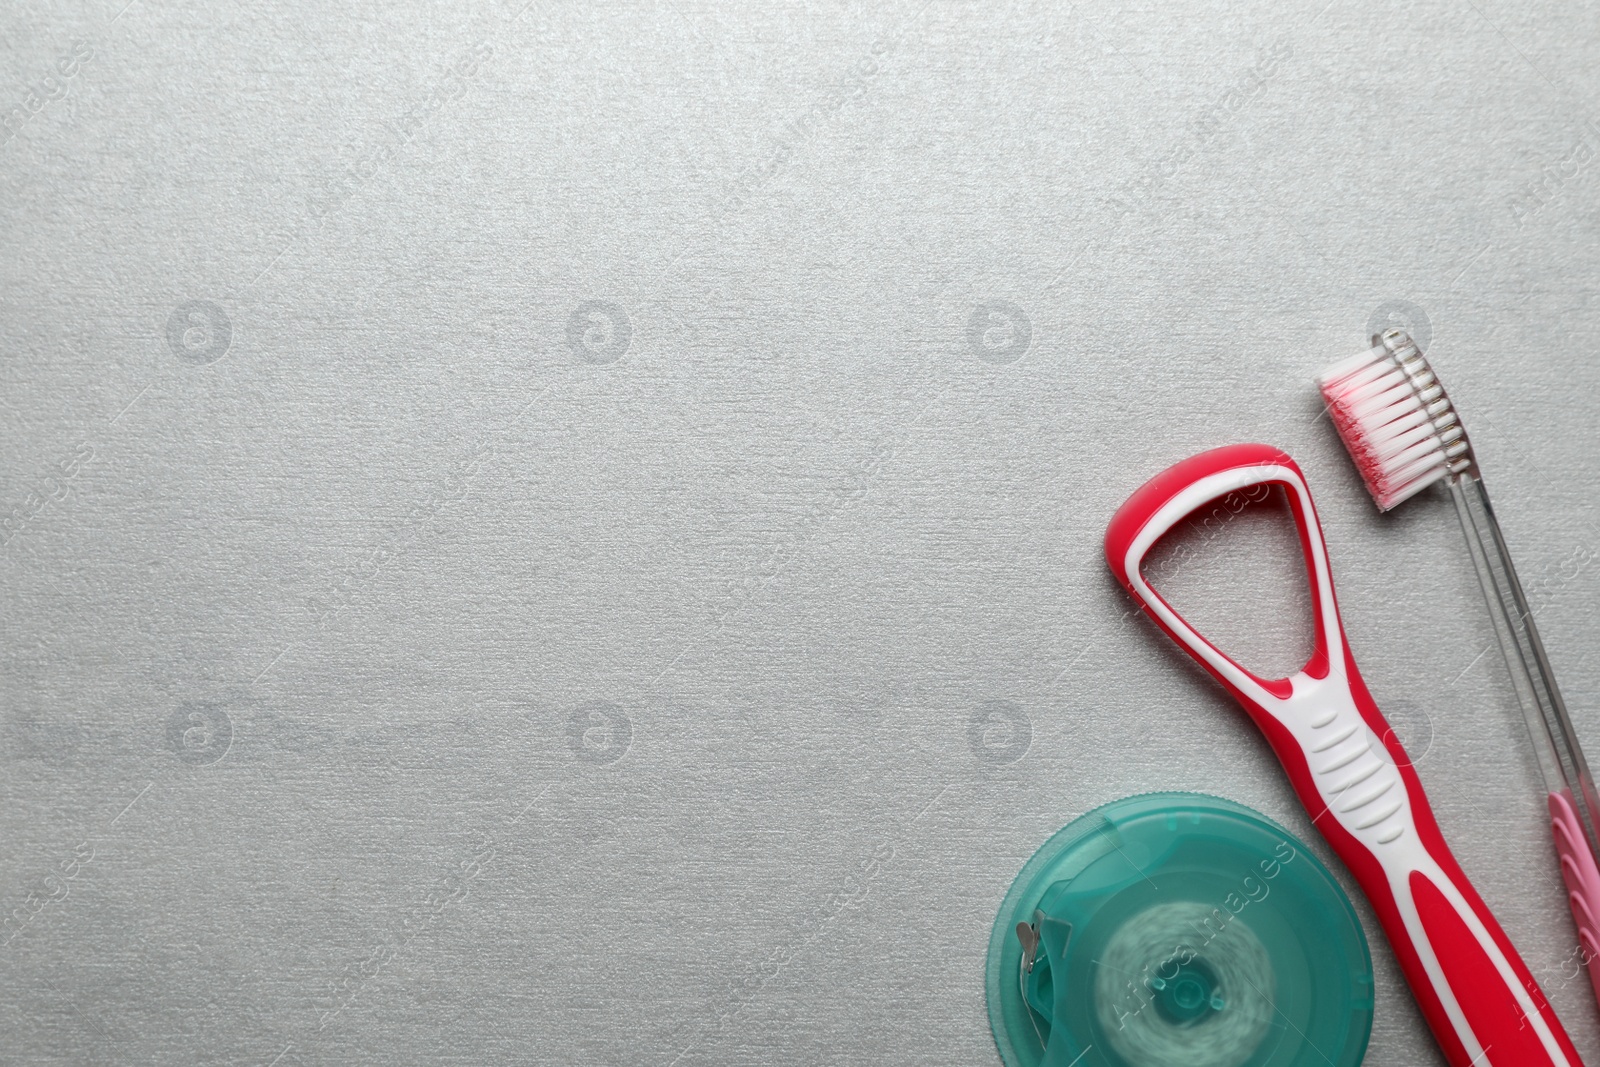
[1578, 870]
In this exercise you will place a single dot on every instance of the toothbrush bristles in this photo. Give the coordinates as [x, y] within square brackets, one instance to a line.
[1395, 420]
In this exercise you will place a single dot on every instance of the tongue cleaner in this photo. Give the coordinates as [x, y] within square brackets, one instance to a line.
[1355, 780]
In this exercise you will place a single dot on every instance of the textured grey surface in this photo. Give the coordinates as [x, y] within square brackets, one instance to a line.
[563, 535]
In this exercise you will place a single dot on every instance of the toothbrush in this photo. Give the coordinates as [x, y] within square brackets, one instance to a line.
[1352, 775]
[1404, 434]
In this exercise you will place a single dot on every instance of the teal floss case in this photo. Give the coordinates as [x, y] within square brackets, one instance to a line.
[1178, 930]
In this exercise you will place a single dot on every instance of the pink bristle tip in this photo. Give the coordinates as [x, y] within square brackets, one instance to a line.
[1369, 394]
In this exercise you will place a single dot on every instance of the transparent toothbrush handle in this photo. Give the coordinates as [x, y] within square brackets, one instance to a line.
[1573, 801]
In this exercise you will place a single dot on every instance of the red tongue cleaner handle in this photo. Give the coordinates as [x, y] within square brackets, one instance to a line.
[1355, 780]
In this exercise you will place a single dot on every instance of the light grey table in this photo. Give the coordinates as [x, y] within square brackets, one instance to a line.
[572, 535]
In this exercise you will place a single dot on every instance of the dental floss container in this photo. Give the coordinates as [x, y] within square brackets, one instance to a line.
[1178, 930]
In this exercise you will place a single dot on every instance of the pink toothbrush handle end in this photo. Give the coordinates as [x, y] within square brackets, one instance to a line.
[1579, 871]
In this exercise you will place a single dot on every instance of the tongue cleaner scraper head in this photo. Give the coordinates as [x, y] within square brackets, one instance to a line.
[1355, 780]
[1398, 423]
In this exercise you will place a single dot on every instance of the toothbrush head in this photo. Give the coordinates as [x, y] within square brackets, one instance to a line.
[1395, 419]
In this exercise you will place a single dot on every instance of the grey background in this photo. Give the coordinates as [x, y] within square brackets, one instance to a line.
[451, 669]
